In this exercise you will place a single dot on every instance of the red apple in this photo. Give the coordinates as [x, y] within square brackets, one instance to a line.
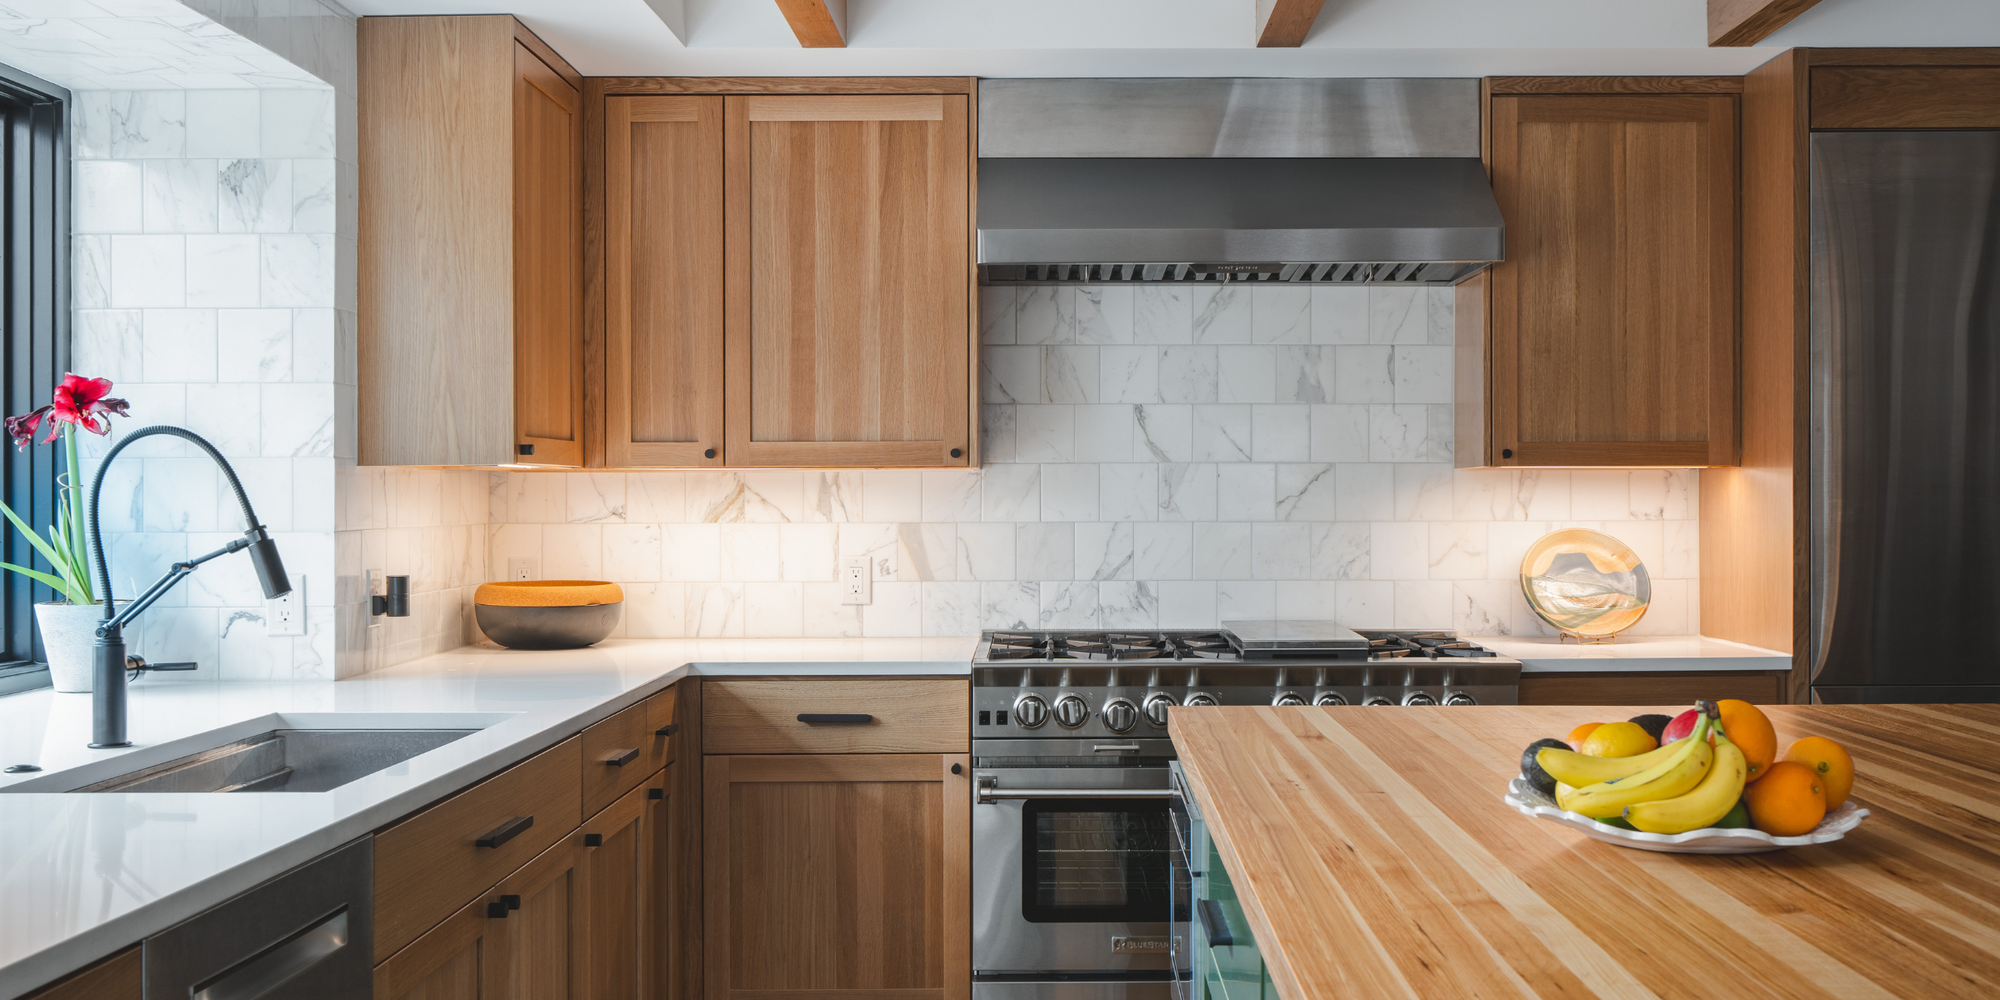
[1682, 725]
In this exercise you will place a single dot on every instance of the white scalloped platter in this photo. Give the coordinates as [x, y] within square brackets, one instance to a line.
[1714, 840]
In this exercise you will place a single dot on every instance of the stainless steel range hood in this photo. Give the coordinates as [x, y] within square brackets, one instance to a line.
[1323, 181]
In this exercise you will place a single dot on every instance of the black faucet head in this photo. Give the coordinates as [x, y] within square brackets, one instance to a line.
[270, 569]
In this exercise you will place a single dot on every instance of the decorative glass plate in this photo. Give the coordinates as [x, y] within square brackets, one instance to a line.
[1713, 840]
[1585, 583]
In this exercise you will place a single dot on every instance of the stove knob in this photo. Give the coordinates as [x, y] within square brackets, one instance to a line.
[1120, 715]
[1198, 698]
[1418, 698]
[1378, 700]
[1156, 709]
[1286, 699]
[1031, 711]
[1071, 712]
[1329, 698]
[1460, 698]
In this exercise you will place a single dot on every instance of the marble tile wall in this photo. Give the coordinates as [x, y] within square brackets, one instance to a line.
[1155, 456]
[427, 523]
[162, 44]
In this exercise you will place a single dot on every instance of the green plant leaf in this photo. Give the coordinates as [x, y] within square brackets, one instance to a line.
[49, 553]
[36, 574]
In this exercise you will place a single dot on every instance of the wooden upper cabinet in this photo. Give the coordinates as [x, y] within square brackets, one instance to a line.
[470, 279]
[663, 280]
[1613, 319]
[848, 280]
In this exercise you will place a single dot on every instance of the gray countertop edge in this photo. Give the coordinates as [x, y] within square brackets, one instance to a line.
[115, 934]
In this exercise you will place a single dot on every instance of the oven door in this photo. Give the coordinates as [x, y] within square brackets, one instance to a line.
[1073, 888]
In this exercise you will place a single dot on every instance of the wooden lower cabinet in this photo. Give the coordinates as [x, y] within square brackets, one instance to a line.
[515, 942]
[616, 901]
[831, 875]
[1758, 688]
[115, 978]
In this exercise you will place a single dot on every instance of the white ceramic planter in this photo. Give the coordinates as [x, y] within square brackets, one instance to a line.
[69, 631]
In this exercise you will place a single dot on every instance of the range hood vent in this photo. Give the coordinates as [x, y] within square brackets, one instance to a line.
[1370, 183]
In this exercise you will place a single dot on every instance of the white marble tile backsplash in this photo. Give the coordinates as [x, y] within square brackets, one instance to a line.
[1156, 456]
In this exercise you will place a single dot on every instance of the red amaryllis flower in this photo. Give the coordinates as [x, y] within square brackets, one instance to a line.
[79, 400]
[22, 428]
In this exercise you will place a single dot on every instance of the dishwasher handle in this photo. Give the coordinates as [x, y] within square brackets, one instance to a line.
[1215, 924]
[279, 963]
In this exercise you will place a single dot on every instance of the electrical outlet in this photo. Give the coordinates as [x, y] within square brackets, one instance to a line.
[287, 615]
[523, 568]
[854, 582]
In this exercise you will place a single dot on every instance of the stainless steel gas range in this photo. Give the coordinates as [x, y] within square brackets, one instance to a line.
[1072, 832]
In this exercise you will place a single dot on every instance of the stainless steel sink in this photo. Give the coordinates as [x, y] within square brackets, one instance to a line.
[286, 752]
[284, 760]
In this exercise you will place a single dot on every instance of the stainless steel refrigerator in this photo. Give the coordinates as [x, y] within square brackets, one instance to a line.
[1905, 418]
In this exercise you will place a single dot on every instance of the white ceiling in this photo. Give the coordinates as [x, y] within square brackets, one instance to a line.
[1197, 37]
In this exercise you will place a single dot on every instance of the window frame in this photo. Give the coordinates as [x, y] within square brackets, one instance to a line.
[35, 296]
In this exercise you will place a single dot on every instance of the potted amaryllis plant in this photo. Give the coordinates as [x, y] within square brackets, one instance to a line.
[68, 625]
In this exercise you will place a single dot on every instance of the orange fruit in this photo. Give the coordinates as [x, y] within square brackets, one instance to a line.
[1749, 729]
[1617, 739]
[1789, 802]
[1581, 733]
[1834, 767]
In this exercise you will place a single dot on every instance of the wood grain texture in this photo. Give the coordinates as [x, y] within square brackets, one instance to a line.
[1374, 858]
[615, 947]
[119, 977]
[1754, 565]
[554, 60]
[548, 264]
[1470, 351]
[662, 881]
[632, 728]
[1615, 84]
[846, 308]
[1925, 97]
[1284, 24]
[1624, 688]
[1613, 321]
[910, 716]
[1969, 56]
[844, 108]
[838, 876]
[459, 959]
[542, 944]
[427, 865]
[818, 24]
[685, 934]
[594, 354]
[1747, 22]
[787, 84]
[663, 254]
[436, 266]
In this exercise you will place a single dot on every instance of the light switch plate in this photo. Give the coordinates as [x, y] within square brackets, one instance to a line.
[855, 586]
[287, 615]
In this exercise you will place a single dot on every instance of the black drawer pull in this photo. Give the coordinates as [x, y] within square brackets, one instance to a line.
[506, 831]
[593, 840]
[1215, 924]
[834, 719]
[511, 901]
[496, 910]
[668, 730]
[656, 793]
[956, 769]
[620, 758]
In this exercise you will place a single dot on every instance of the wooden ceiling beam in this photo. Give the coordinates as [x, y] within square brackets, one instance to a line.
[1747, 22]
[1283, 24]
[819, 24]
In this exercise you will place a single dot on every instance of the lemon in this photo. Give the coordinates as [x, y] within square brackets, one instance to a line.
[1618, 739]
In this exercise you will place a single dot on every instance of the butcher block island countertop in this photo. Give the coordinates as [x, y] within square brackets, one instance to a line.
[1373, 856]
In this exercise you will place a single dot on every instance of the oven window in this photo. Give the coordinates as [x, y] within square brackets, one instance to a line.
[1096, 861]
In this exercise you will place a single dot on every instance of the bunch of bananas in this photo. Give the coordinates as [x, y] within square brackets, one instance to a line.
[1686, 785]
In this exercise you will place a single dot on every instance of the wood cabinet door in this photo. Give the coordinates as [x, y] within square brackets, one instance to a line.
[116, 978]
[663, 281]
[541, 953]
[837, 875]
[1614, 315]
[459, 959]
[849, 276]
[616, 905]
[548, 265]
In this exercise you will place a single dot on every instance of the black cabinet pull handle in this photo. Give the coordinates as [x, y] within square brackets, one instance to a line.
[512, 901]
[506, 831]
[496, 910]
[668, 730]
[620, 758]
[834, 719]
[593, 840]
[955, 769]
[1215, 924]
[710, 453]
[656, 793]
[957, 452]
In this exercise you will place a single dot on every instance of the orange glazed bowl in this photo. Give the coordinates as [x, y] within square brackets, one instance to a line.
[548, 614]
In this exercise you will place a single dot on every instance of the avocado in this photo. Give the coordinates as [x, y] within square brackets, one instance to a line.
[1654, 725]
[1531, 769]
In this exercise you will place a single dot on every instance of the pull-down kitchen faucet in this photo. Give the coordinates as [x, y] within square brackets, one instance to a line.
[108, 695]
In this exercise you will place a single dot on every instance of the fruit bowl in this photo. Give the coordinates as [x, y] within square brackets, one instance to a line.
[1714, 840]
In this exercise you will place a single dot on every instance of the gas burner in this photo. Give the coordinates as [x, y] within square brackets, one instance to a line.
[1212, 646]
[1427, 644]
[1113, 646]
[1012, 652]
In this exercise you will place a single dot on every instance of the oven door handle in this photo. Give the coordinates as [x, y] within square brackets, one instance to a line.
[989, 790]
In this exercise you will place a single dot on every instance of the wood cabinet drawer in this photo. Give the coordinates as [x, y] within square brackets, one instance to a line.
[429, 865]
[624, 750]
[903, 716]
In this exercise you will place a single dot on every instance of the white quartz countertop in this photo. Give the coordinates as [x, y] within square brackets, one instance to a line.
[1639, 653]
[84, 875]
